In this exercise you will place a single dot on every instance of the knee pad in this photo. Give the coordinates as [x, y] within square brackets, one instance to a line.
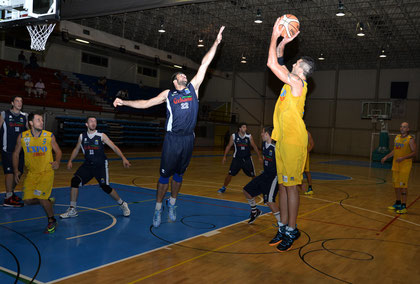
[177, 178]
[106, 188]
[163, 180]
[75, 182]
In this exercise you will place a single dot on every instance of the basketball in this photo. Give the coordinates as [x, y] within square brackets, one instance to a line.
[291, 25]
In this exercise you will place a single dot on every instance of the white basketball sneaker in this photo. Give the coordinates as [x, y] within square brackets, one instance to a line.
[125, 209]
[70, 213]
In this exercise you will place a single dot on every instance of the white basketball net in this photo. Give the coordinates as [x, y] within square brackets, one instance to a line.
[39, 35]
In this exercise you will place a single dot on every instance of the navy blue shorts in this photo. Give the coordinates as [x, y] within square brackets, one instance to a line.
[87, 171]
[244, 164]
[176, 154]
[7, 162]
[267, 185]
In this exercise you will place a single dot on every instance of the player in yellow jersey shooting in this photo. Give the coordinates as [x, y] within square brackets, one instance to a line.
[290, 133]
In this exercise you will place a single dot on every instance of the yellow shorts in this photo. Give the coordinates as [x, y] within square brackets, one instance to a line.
[400, 179]
[307, 163]
[290, 162]
[38, 185]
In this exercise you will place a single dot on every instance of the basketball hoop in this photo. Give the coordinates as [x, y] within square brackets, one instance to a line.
[39, 35]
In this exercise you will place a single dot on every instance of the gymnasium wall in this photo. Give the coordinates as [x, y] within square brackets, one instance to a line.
[333, 107]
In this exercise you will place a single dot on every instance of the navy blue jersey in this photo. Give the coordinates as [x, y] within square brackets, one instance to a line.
[242, 145]
[182, 110]
[93, 148]
[13, 125]
[269, 157]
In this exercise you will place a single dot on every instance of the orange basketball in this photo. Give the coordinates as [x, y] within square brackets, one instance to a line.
[291, 25]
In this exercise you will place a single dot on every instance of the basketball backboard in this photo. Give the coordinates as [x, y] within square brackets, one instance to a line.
[376, 110]
[24, 12]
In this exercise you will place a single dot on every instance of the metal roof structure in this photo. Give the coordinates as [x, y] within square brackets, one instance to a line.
[391, 27]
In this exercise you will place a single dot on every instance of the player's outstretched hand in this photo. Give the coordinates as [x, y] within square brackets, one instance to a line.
[286, 39]
[55, 165]
[118, 102]
[69, 165]
[17, 177]
[219, 35]
[126, 163]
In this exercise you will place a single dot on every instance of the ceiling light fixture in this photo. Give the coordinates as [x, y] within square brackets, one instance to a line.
[340, 11]
[360, 31]
[82, 40]
[321, 57]
[243, 59]
[382, 55]
[200, 43]
[178, 66]
[258, 19]
[161, 27]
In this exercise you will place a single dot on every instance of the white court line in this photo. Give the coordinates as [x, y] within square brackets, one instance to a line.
[20, 275]
[211, 233]
[146, 252]
[364, 209]
[114, 221]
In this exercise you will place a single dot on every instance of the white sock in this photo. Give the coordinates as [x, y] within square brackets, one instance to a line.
[289, 228]
[120, 201]
[280, 224]
[172, 200]
[73, 204]
[9, 194]
[158, 206]
[252, 202]
[277, 215]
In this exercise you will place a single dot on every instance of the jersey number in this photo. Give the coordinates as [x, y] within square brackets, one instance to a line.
[91, 152]
[184, 106]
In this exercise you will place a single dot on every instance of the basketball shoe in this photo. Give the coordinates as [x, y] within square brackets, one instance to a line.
[222, 189]
[402, 210]
[288, 240]
[395, 207]
[254, 215]
[70, 213]
[51, 227]
[278, 237]
[157, 218]
[171, 210]
[125, 209]
[13, 201]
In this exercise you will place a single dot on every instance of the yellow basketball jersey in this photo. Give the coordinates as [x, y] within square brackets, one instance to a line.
[288, 117]
[401, 149]
[38, 151]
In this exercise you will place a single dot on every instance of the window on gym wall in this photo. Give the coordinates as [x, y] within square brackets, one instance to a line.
[146, 71]
[94, 59]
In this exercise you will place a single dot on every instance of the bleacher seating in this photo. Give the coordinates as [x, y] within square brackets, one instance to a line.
[10, 87]
[123, 132]
[135, 92]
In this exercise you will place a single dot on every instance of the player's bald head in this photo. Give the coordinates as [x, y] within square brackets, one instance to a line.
[405, 123]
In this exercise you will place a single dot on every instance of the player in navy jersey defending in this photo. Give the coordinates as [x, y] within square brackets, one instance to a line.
[95, 166]
[242, 155]
[266, 183]
[13, 122]
[182, 110]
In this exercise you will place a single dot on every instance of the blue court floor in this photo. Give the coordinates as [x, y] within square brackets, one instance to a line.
[100, 234]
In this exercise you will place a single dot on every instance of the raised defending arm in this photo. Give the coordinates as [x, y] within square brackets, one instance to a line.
[199, 77]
